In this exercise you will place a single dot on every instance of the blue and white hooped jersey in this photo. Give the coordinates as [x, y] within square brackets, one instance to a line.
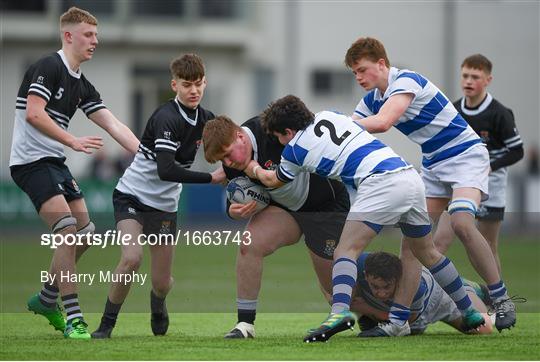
[421, 298]
[431, 120]
[336, 147]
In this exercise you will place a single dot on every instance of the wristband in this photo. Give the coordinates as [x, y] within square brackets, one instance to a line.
[255, 168]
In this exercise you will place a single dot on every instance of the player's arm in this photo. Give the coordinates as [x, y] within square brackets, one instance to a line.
[118, 130]
[388, 115]
[267, 177]
[170, 170]
[511, 139]
[38, 118]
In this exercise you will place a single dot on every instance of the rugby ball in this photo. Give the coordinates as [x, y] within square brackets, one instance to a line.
[241, 190]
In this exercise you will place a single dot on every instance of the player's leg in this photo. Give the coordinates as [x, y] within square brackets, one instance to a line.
[490, 230]
[444, 235]
[462, 210]
[57, 214]
[270, 229]
[130, 261]
[457, 323]
[417, 230]
[84, 225]
[162, 282]
[355, 237]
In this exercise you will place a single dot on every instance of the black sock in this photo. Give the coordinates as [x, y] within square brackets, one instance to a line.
[247, 315]
[111, 313]
[157, 304]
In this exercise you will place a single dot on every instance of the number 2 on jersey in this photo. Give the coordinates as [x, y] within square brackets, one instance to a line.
[333, 134]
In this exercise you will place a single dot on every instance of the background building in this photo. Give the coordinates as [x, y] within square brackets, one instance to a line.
[256, 51]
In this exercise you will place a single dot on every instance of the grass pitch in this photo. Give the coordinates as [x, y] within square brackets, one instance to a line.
[203, 304]
[198, 336]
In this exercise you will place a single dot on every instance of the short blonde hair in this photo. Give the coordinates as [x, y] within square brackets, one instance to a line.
[75, 15]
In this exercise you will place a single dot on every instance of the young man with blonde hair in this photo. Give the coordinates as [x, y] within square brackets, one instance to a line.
[495, 124]
[455, 162]
[51, 91]
[146, 198]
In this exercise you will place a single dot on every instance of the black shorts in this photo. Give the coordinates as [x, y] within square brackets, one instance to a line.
[154, 221]
[487, 213]
[322, 227]
[45, 178]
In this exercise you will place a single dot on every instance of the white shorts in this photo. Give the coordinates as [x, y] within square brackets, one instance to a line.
[497, 188]
[468, 169]
[440, 308]
[391, 198]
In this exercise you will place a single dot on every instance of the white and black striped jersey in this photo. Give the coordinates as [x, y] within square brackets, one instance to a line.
[306, 193]
[495, 124]
[64, 90]
[169, 129]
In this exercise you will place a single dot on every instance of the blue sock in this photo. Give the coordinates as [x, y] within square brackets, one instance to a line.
[399, 314]
[447, 277]
[343, 281]
[497, 291]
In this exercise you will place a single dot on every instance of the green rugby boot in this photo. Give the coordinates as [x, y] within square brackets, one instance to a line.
[77, 329]
[53, 315]
[472, 319]
[334, 323]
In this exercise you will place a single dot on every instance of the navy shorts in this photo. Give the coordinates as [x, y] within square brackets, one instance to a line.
[154, 221]
[45, 178]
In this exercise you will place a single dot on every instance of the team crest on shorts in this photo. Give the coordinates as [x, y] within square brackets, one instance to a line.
[75, 186]
[165, 227]
[330, 246]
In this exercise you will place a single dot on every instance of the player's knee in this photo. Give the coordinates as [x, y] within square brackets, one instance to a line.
[87, 229]
[66, 224]
[131, 262]
[162, 286]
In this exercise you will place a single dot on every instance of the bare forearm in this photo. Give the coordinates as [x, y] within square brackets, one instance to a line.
[125, 137]
[118, 130]
[40, 120]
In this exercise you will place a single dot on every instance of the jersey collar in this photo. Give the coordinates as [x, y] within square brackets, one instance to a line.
[192, 122]
[64, 60]
[254, 146]
[482, 107]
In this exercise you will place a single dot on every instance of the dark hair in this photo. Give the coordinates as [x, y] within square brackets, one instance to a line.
[287, 112]
[189, 67]
[478, 61]
[383, 265]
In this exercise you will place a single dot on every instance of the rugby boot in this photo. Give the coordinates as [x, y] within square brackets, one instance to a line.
[334, 323]
[53, 315]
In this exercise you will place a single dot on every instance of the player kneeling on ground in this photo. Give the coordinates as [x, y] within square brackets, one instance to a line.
[377, 281]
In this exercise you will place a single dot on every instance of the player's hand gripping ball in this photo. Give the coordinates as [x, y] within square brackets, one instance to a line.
[241, 190]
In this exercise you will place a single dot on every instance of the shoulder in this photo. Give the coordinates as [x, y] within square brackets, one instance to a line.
[50, 63]
[206, 114]
[406, 75]
[254, 124]
[165, 114]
